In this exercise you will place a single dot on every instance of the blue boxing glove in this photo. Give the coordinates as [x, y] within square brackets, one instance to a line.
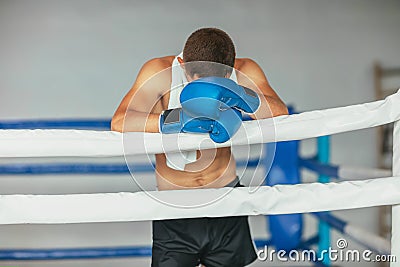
[178, 121]
[206, 97]
[226, 126]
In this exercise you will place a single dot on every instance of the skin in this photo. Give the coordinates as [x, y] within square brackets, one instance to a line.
[139, 111]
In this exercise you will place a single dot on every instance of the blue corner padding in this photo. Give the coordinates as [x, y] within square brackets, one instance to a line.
[286, 230]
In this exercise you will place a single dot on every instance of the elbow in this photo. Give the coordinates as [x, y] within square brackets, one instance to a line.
[279, 109]
[274, 107]
[282, 111]
[116, 124]
[276, 110]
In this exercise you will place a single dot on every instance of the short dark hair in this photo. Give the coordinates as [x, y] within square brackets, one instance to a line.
[209, 44]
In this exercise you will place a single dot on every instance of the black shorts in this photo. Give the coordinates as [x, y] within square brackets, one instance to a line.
[224, 241]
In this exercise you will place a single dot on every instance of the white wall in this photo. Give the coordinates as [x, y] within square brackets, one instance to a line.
[63, 59]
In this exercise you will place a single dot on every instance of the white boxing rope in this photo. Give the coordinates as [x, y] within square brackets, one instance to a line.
[59, 143]
[358, 173]
[156, 205]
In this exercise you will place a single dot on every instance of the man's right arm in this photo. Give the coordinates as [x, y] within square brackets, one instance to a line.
[139, 109]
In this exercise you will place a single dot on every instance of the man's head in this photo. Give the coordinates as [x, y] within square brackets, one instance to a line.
[210, 45]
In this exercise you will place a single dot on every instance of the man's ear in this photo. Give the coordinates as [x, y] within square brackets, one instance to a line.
[181, 63]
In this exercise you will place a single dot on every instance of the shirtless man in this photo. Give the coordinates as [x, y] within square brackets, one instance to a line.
[209, 241]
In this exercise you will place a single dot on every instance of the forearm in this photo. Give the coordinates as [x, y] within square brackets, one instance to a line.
[135, 121]
[270, 107]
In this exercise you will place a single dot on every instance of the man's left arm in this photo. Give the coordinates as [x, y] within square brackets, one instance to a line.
[252, 76]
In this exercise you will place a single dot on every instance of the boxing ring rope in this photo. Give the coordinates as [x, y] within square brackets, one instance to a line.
[103, 124]
[74, 253]
[117, 207]
[332, 196]
[342, 172]
[86, 168]
[81, 143]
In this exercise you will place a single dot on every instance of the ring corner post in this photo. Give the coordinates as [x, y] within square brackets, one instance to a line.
[395, 249]
[323, 146]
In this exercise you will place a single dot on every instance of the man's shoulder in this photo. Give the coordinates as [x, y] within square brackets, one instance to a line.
[157, 68]
[242, 63]
[159, 63]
